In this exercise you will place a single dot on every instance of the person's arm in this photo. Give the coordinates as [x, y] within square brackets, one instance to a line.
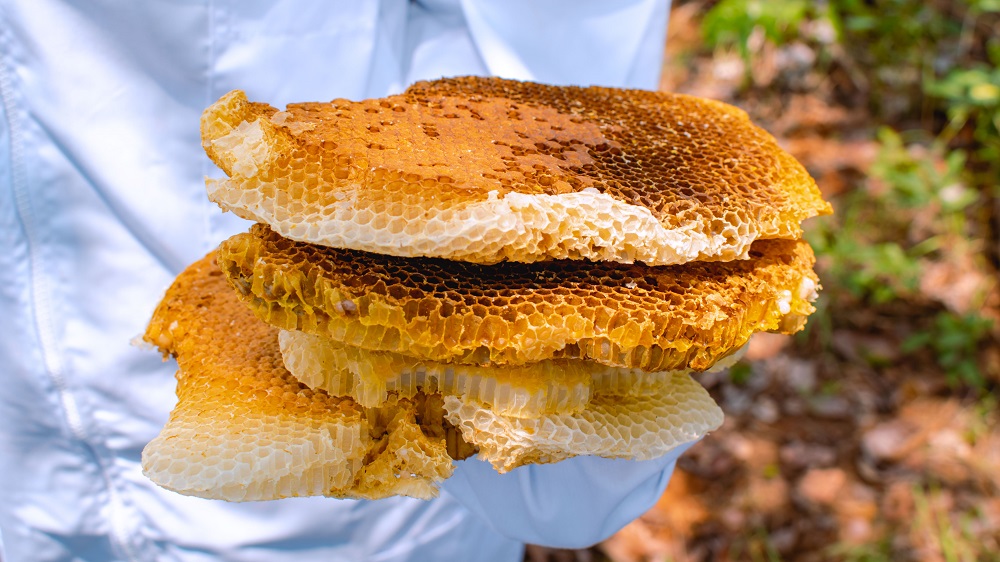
[570, 504]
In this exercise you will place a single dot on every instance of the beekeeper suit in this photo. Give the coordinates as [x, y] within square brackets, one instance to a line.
[102, 203]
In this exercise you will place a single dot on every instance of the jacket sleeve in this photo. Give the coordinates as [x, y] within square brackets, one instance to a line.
[570, 504]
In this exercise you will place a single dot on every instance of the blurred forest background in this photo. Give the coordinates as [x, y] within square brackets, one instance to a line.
[873, 435]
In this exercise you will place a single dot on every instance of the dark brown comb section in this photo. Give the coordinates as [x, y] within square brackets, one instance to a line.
[653, 318]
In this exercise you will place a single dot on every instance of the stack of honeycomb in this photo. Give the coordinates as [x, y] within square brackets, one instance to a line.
[526, 271]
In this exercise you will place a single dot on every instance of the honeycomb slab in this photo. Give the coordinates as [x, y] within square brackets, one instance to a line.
[667, 318]
[634, 427]
[555, 386]
[488, 170]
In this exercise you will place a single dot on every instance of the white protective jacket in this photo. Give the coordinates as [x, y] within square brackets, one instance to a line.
[102, 203]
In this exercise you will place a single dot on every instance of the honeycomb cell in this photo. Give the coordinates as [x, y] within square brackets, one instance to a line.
[556, 386]
[664, 318]
[488, 170]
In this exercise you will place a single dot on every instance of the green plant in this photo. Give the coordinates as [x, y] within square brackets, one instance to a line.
[972, 94]
[740, 373]
[985, 417]
[897, 45]
[971, 97]
[914, 206]
[879, 551]
[913, 213]
[830, 388]
[916, 176]
[730, 23]
[880, 272]
[955, 341]
[893, 48]
[756, 545]
[744, 25]
[953, 543]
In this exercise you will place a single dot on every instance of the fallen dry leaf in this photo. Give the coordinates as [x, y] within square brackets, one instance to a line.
[766, 345]
[957, 281]
[822, 486]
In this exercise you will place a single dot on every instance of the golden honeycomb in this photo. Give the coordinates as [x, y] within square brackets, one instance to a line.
[488, 170]
[665, 318]
[634, 427]
[555, 386]
[245, 429]
[477, 264]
